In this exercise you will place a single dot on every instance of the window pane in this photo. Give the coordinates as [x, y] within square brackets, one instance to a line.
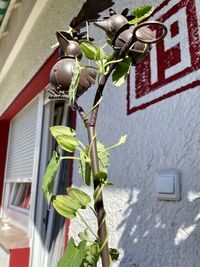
[20, 195]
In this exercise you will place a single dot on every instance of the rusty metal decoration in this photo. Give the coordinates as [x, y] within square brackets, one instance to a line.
[62, 71]
[120, 31]
[90, 12]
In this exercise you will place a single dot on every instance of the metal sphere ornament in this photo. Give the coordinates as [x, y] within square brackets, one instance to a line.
[119, 30]
[62, 72]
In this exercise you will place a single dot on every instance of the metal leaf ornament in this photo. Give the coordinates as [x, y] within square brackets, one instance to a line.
[90, 12]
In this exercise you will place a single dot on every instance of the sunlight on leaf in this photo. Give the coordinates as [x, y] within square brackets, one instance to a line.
[68, 205]
[121, 141]
[103, 157]
[74, 255]
[74, 83]
[141, 13]
[100, 55]
[84, 236]
[65, 136]
[89, 49]
[50, 175]
[80, 196]
[121, 71]
[85, 167]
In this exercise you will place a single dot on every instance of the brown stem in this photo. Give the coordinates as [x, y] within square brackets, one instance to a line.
[99, 206]
[90, 125]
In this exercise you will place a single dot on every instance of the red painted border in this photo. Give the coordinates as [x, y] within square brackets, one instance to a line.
[156, 100]
[4, 130]
[19, 257]
[176, 76]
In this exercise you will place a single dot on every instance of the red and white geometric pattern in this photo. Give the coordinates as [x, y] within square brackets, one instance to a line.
[173, 65]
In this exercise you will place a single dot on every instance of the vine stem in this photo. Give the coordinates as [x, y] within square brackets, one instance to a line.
[90, 126]
[87, 225]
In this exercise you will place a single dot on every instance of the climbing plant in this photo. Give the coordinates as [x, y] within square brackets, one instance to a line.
[130, 41]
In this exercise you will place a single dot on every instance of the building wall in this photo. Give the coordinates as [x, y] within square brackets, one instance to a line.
[4, 255]
[23, 57]
[49, 17]
[165, 135]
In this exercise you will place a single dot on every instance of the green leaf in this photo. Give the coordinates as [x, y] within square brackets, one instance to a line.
[92, 254]
[141, 13]
[84, 236]
[65, 137]
[85, 167]
[121, 71]
[101, 176]
[100, 55]
[68, 205]
[50, 175]
[108, 183]
[63, 209]
[74, 83]
[85, 164]
[121, 141]
[74, 255]
[110, 57]
[89, 49]
[77, 194]
[103, 157]
[114, 254]
[109, 41]
[70, 31]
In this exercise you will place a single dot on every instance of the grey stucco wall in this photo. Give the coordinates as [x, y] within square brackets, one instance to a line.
[165, 135]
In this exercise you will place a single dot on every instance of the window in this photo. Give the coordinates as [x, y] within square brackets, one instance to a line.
[30, 147]
[49, 235]
[22, 164]
[21, 196]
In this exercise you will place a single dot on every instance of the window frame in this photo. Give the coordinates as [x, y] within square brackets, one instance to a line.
[41, 252]
[21, 217]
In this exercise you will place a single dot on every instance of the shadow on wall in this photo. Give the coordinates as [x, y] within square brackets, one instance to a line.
[162, 234]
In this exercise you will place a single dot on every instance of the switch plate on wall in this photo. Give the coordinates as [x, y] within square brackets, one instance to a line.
[168, 185]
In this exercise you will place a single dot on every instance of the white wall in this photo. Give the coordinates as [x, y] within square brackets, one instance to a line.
[166, 135]
[4, 256]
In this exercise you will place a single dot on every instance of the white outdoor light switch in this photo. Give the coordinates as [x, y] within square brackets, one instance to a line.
[168, 185]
